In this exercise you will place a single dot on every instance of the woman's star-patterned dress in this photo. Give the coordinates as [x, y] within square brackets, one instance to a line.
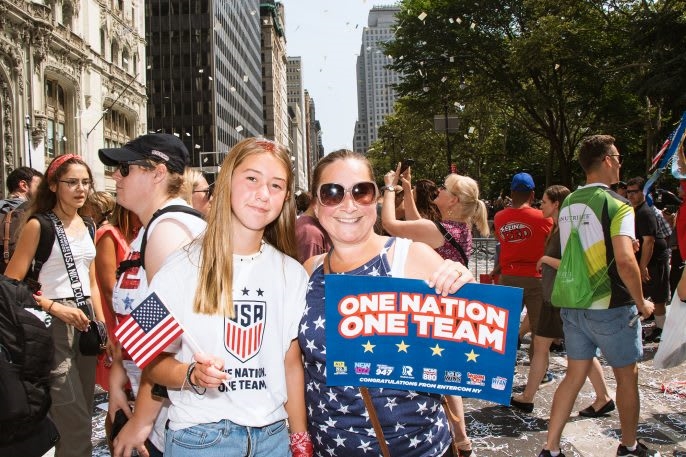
[414, 423]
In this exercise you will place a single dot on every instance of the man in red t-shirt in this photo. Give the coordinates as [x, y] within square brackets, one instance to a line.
[521, 231]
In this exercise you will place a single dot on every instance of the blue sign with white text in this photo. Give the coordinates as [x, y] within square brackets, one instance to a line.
[397, 333]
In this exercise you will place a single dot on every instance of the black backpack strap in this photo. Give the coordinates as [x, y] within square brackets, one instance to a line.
[45, 242]
[90, 225]
[158, 213]
[450, 239]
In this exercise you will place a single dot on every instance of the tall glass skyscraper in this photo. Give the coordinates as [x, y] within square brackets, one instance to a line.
[204, 71]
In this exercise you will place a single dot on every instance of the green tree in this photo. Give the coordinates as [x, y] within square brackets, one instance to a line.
[555, 69]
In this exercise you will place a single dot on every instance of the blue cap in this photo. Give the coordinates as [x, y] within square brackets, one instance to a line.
[522, 182]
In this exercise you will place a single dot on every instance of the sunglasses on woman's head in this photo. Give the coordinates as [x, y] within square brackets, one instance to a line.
[125, 167]
[332, 194]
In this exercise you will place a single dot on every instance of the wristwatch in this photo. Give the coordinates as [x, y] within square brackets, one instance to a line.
[390, 188]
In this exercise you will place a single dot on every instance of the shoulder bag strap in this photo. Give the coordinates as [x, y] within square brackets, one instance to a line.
[375, 421]
[70, 265]
[6, 237]
[450, 239]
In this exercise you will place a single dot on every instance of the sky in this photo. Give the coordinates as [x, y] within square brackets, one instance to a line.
[327, 34]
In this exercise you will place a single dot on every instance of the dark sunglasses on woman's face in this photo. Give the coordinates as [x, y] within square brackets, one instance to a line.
[207, 192]
[332, 194]
[125, 167]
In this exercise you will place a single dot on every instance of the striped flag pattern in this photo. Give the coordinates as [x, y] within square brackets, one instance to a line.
[148, 330]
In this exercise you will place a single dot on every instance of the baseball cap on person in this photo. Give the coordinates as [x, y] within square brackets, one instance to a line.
[161, 147]
[522, 182]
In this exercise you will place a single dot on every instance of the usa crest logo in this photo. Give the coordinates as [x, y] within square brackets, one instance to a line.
[243, 335]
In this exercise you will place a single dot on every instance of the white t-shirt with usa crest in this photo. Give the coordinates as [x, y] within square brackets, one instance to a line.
[269, 299]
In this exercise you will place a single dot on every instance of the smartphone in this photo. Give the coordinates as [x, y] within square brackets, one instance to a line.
[405, 164]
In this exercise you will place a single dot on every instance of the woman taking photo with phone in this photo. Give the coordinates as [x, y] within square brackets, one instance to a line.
[60, 196]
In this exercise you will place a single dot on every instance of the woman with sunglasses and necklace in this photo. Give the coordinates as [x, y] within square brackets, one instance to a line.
[63, 192]
[149, 177]
[343, 184]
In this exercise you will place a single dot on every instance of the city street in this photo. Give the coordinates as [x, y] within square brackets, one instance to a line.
[498, 431]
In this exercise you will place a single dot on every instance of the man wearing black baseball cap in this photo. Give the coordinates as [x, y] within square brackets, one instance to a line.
[160, 147]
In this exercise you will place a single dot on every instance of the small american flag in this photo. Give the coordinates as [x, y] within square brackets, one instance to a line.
[148, 330]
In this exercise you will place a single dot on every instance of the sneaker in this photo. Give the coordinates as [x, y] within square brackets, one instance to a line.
[546, 453]
[640, 451]
[547, 379]
[654, 336]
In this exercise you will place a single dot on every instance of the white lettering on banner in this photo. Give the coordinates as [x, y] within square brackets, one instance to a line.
[436, 317]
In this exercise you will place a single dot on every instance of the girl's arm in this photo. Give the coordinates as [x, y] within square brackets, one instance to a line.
[25, 251]
[106, 268]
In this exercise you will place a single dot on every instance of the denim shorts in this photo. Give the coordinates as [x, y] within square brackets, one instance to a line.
[226, 439]
[606, 329]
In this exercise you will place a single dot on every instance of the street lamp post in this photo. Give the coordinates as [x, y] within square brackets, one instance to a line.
[447, 137]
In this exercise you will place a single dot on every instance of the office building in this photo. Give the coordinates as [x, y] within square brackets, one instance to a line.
[375, 83]
[204, 73]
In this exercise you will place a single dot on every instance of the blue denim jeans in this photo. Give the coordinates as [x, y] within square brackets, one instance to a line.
[226, 439]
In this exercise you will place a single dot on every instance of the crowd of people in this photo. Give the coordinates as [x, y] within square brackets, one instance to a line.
[246, 247]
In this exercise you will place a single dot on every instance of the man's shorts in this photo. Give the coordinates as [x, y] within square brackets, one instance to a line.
[549, 322]
[658, 286]
[606, 329]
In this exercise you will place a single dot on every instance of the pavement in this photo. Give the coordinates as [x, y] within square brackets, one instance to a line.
[498, 431]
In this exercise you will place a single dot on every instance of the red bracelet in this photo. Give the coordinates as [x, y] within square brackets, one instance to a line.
[301, 445]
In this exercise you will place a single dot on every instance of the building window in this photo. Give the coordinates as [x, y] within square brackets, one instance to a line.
[125, 59]
[56, 141]
[102, 43]
[67, 14]
[117, 131]
[114, 57]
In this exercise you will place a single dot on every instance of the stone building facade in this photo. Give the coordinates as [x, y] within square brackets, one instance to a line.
[72, 80]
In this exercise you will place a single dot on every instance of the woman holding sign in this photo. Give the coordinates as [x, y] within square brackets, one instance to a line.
[346, 195]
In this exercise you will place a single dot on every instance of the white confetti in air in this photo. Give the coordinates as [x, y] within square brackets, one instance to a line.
[471, 130]
[444, 79]
[473, 26]
[557, 65]
[422, 16]
[458, 20]
[232, 89]
[451, 20]
[245, 78]
[177, 135]
[197, 146]
[239, 128]
[210, 77]
[452, 59]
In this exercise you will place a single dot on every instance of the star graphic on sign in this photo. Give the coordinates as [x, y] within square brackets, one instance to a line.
[260, 292]
[369, 347]
[245, 291]
[402, 347]
[437, 350]
[471, 356]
